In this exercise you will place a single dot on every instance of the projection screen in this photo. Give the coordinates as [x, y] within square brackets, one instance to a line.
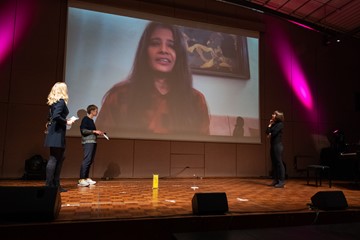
[218, 103]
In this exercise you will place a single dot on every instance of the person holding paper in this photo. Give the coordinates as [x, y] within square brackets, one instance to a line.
[55, 138]
[89, 135]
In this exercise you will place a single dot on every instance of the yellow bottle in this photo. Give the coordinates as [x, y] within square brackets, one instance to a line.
[155, 181]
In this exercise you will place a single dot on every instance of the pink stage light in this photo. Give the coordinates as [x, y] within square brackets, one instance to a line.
[6, 31]
[303, 25]
[300, 86]
[12, 29]
[291, 68]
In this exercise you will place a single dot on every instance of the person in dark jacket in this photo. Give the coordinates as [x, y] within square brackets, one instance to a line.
[274, 131]
[88, 139]
[55, 138]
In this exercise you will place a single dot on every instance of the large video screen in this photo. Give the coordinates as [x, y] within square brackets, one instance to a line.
[154, 77]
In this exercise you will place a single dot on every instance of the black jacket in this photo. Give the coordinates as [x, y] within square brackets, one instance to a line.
[57, 128]
[276, 131]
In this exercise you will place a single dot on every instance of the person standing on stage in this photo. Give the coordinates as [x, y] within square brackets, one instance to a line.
[274, 131]
[55, 138]
[88, 139]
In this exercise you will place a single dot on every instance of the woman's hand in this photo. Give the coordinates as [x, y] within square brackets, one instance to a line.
[70, 122]
[271, 122]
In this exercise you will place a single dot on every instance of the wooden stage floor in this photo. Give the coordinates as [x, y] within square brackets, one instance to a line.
[252, 203]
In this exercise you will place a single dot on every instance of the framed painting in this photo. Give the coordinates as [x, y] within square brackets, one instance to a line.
[216, 53]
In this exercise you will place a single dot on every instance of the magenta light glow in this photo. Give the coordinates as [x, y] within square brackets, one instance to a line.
[6, 31]
[303, 25]
[291, 68]
[300, 86]
[12, 28]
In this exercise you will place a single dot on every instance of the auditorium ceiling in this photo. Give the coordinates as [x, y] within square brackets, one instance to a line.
[333, 16]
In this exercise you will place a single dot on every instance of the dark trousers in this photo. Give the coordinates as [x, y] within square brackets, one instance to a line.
[89, 155]
[278, 167]
[53, 166]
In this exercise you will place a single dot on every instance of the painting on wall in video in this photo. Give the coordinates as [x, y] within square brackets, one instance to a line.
[217, 53]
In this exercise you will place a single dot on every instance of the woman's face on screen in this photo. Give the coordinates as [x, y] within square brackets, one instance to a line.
[161, 51]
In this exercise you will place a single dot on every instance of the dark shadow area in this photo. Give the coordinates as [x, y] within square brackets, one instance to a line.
[112, 171]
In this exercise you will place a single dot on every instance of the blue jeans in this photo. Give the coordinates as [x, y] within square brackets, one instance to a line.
[89, 155]
[276, 151]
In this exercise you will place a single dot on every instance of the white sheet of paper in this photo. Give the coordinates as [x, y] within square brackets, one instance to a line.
[74, 118]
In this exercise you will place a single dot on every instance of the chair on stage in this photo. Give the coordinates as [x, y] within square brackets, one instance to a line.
[322, 169]
[319, 171]
[306, 164]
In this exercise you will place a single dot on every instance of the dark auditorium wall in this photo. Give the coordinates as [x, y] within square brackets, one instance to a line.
[35, 61]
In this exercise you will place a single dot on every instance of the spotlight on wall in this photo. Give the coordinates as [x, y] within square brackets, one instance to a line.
[331, 39]
[327, 40]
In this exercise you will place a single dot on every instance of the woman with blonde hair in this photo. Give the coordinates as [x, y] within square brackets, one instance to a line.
[55, 138]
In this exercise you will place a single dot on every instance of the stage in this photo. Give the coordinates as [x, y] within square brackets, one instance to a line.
[132, 208]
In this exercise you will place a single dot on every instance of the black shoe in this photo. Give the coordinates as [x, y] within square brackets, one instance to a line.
[62, 189]
[280, 184]
[273, 183]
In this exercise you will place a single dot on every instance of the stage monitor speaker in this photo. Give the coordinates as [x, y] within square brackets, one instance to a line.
[329, 200]
[210, 203]
[29, 203]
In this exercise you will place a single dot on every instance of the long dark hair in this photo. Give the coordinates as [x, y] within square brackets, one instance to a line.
[179, 80]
